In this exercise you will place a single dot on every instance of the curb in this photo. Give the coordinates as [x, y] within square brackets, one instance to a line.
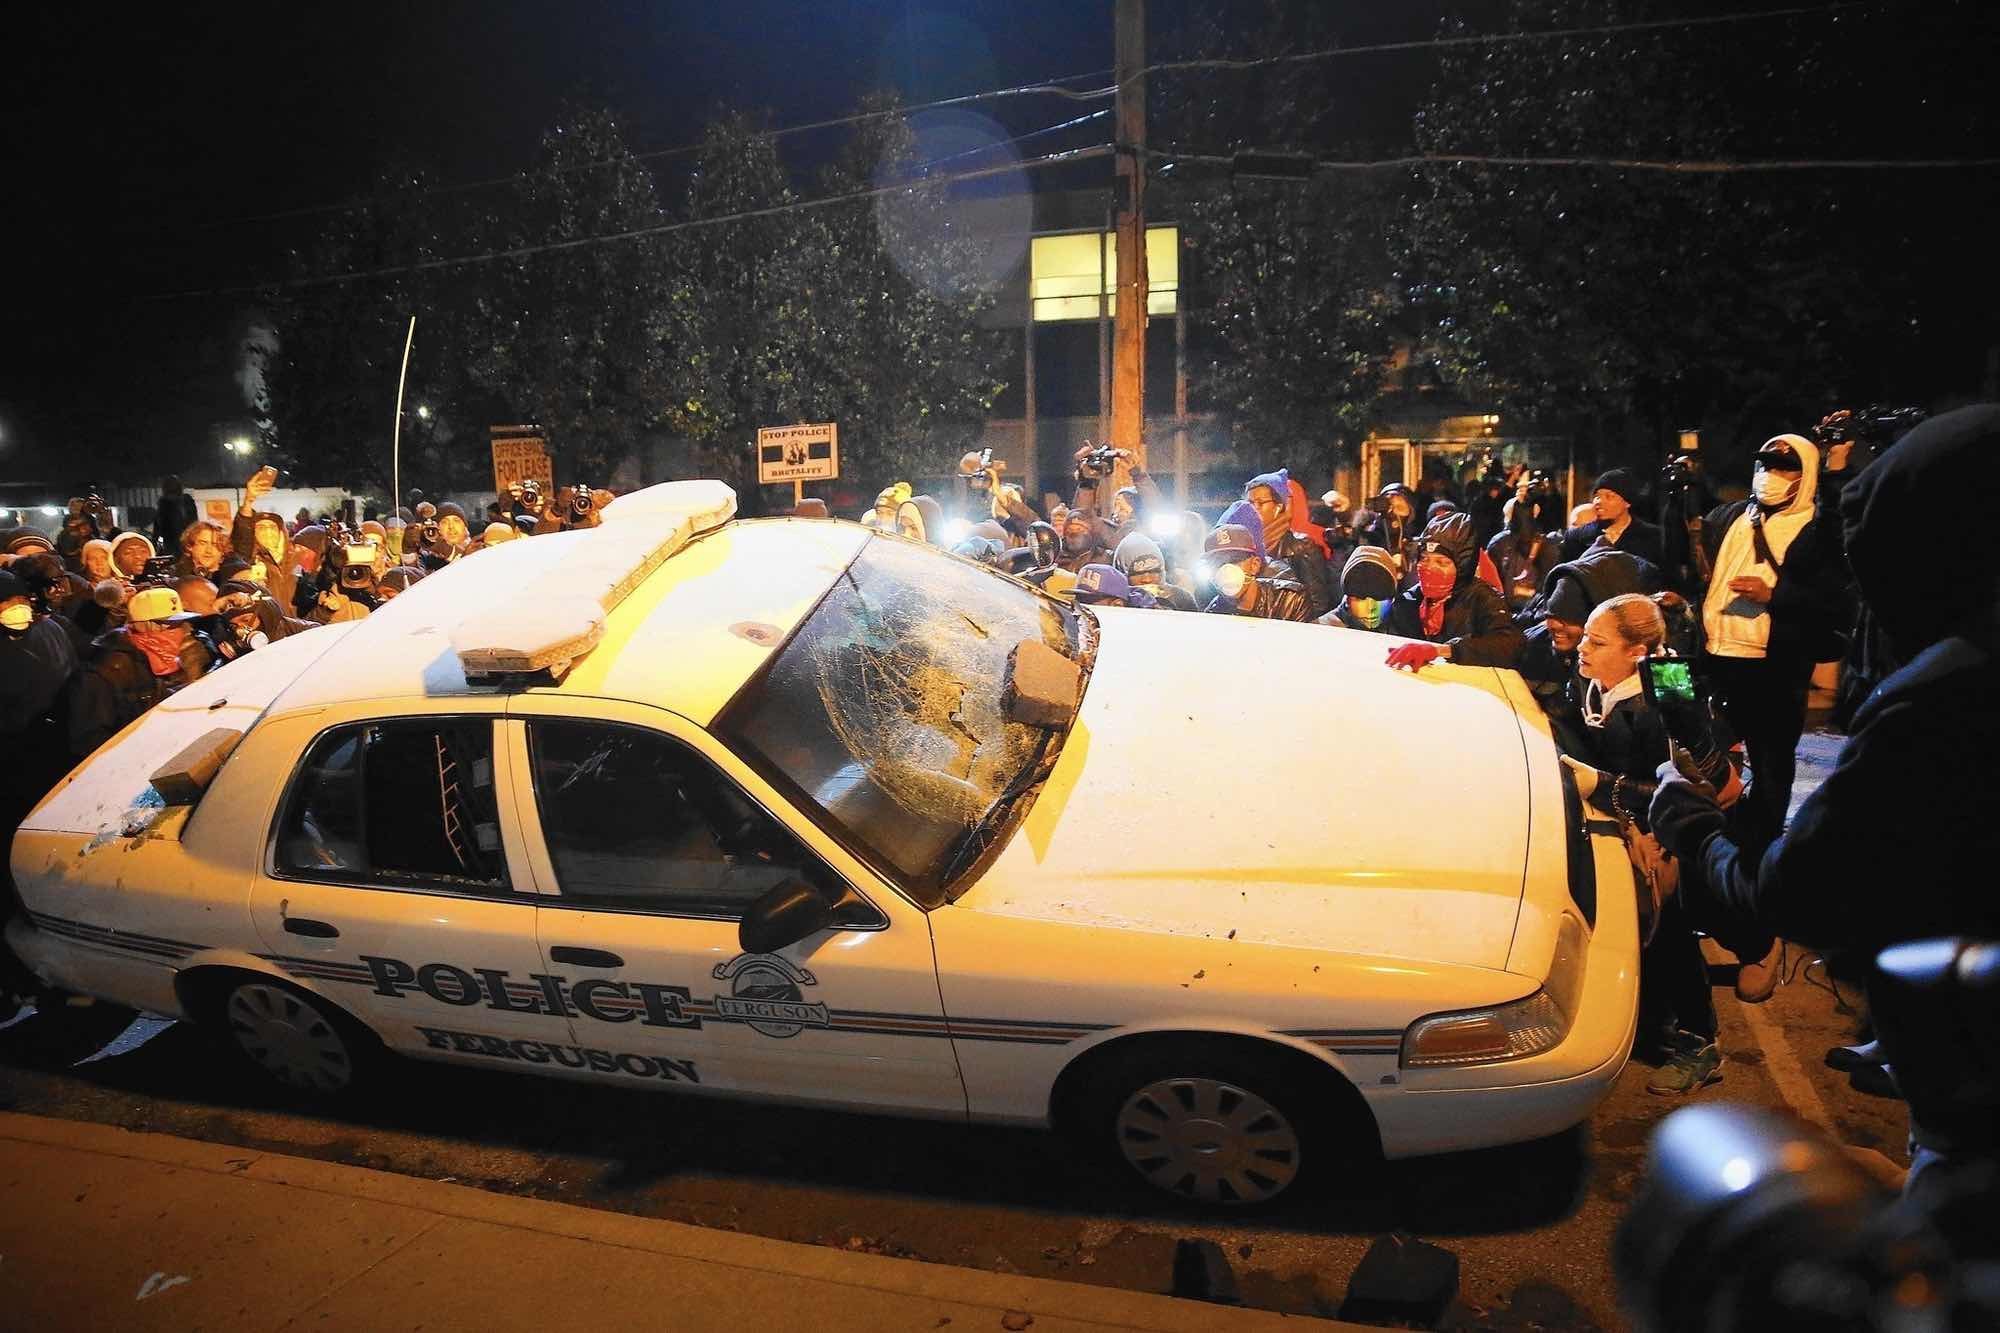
[855, 1278]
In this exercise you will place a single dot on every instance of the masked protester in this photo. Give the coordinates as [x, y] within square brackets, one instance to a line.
[136, 666]
[1367, 587]
[1271, 495]
[1776, 603]
[1104, 585]
[1391, 523]
[1897, 843]
[920, 519]
[1454, 616]
[1082, 541]
[1245, 583]
[1144, 566]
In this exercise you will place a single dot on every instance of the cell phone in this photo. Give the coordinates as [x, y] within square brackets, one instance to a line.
[1667, 680]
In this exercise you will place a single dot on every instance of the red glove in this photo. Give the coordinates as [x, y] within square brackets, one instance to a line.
[1414, 656]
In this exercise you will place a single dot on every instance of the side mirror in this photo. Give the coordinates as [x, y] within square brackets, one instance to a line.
[785, 914]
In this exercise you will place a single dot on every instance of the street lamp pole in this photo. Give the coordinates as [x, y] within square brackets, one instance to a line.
[1128, 338]
[396, 448]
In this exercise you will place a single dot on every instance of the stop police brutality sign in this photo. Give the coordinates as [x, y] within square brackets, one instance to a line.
[798, 453]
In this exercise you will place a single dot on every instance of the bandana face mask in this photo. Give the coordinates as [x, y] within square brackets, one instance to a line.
[1436, 583]
[1367, 610]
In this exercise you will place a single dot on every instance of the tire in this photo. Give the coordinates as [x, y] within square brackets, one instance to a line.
[298, 1040]
[1211, 1121]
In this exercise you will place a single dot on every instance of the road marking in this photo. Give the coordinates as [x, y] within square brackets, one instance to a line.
[1785, 1071]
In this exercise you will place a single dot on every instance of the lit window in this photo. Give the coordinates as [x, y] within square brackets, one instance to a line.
[1069, 273]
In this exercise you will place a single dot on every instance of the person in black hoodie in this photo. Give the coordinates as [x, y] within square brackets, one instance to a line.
[1390, 521]
[1899, 842]
[1454, 615]
[38, 669]
[1612, 498]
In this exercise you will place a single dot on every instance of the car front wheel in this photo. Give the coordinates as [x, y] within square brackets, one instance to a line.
[293, 1036]
[1213, 1125]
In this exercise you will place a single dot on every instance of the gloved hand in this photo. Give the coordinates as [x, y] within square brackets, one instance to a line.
[1683, 814]
[1414, 656]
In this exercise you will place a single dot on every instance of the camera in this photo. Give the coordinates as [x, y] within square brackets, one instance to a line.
[580, 501]
[159, 567]
[1872, 426]
[1669, 684]
[1100, 461]
[428, 532]
[977, 469]
[1747, 1220]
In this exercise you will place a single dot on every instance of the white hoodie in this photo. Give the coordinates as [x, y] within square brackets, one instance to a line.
[1736, 625]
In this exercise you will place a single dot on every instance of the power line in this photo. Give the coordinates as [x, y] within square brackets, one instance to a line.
[1050, 87]
[1491, 39]
[1684, 167]
[640, 233]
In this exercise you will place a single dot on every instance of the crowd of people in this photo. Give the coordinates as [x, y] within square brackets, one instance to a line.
[1592, 606]
[1749, 596]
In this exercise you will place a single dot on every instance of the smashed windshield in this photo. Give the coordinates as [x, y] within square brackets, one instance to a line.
[883, 714]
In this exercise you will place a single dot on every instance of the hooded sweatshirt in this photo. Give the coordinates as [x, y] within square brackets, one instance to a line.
[1808, 603]
[929, 516]
[1474, 619]
[1887, 848]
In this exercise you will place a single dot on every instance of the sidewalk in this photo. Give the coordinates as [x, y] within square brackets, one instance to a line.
[103, 1228]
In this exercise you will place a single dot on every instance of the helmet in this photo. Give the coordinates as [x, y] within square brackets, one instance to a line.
[1042, 540]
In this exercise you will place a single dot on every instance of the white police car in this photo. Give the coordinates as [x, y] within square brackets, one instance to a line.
[792, 810]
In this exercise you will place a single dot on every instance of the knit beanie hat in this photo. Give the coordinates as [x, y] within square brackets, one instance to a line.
[1620, 482]
[1569, 601]
[1368, 574]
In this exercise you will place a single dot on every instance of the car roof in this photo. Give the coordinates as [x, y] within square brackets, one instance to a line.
[685, 639]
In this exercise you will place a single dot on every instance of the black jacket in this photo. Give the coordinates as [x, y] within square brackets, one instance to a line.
[171, 519]
[1899, 842]
[1476, 623]
[1640, 538]
[1308, 564]
[119, 685]
[1811, 610]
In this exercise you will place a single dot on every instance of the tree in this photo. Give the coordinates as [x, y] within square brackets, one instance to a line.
[1596, 293]
[575, 331]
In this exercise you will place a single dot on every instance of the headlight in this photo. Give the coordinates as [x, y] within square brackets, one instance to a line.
[1511, 1031]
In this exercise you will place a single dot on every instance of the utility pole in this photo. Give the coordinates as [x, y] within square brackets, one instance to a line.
[1128, 336]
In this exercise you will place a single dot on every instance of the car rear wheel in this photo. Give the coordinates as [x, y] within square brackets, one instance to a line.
[1212, 1123]
[293, 1036]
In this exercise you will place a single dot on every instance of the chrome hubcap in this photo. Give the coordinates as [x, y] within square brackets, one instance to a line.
[1209, 1140]
[288, 1038]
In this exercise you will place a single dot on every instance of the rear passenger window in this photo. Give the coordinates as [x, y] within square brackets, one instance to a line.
[406, 803]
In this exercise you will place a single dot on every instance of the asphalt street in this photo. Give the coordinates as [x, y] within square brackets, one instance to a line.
[1531, 1224]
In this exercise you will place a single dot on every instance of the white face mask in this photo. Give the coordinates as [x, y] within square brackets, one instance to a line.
[1774, 489]
[17, 618]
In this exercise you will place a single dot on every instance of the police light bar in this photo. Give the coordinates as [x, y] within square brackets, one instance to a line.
[558, 613]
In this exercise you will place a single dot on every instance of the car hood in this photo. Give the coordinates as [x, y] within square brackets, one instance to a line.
[1277, 783]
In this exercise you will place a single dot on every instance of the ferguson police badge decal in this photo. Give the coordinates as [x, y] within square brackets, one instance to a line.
[764, 992]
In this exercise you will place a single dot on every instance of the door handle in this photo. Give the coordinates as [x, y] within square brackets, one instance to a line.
[305, 925]
[566, 953]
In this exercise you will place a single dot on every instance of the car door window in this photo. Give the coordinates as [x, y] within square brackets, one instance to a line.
[636, 820]
[405, 803]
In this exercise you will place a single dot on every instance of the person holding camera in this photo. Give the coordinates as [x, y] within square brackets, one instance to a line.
[1776, 603]
[259, 537]
[1899, 843]
[1614, 737]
